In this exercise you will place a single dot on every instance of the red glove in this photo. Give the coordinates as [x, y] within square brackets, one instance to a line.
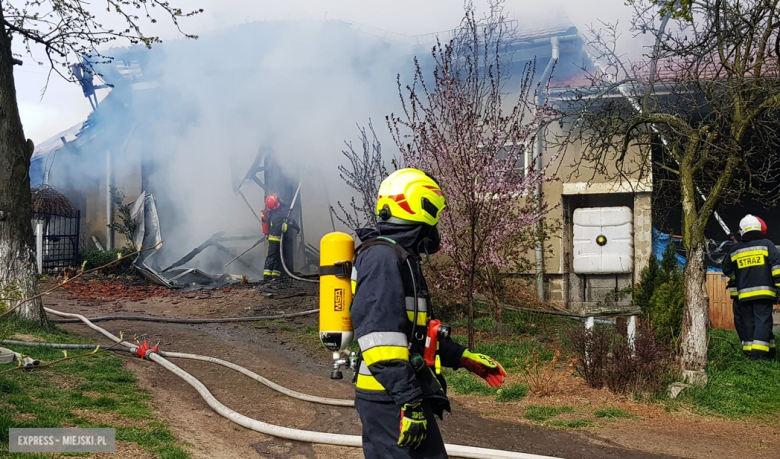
[484, 367]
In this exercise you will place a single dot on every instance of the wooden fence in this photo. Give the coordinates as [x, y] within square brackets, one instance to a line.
[721, 314]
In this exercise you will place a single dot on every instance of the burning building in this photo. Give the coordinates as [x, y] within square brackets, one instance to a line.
[208, 127]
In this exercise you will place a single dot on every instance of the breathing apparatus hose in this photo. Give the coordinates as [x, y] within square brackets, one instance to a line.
[416, 300]
[279, 431]
[281, 242]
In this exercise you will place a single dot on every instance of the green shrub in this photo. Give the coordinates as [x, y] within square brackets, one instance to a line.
[661, 297]
[95, 258]
[666, 309]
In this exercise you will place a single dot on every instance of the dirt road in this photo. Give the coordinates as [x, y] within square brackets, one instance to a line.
[276, 355]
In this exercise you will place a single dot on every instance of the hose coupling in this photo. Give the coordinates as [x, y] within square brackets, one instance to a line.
[144, 350]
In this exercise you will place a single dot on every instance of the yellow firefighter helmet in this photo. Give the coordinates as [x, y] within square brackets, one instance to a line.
[410, 196]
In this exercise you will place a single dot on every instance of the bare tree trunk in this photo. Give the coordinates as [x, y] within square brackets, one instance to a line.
[17, 253]
[696, 318]
[471, 311]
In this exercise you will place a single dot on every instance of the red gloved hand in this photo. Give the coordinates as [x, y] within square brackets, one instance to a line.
[484, 367]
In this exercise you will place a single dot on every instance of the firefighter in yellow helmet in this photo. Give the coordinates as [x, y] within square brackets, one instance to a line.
[396, 394]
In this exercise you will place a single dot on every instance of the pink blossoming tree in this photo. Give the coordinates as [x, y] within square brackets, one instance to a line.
[467, 131]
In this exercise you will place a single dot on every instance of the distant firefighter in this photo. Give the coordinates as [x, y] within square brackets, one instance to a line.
[753, 269]
[275, 224]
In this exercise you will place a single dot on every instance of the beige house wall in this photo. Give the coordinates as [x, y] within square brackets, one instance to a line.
[575, 187]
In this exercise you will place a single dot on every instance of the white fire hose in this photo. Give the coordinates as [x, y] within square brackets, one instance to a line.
[203, 358]
[274, 430]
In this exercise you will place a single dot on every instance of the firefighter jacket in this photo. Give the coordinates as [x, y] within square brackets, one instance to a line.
[382, 315]
[754, 267]
[276, 223]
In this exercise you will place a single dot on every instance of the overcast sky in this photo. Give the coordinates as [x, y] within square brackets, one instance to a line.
[64, 105]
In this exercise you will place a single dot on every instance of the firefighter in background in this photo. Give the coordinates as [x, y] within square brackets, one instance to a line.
[753, 267]
[396, 394]
[739, 321]
[275, 225]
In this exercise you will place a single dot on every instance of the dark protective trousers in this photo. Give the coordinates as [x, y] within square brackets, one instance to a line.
[757, 316]
[273, 260]
[381, 421]
[739, 325]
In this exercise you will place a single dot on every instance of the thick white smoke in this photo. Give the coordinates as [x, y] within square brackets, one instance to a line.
[296, 87]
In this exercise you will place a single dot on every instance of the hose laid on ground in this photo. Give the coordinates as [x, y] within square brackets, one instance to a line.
[285, 432]
[260, 379]
[202, 358]
[11, 342]
[176, 320]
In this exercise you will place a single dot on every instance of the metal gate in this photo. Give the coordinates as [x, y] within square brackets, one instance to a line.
[60, 241]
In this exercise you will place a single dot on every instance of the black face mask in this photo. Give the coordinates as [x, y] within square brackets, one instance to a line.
[430, 241]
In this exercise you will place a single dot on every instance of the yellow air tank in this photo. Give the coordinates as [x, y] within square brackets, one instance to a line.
[337, 251]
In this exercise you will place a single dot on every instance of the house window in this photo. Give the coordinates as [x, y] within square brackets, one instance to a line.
[518, 151]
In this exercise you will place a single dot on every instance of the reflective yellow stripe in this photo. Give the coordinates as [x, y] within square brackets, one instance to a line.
[382, 353]
[422, 317]
[354, 288]
[775, 272]
[760, 347]
[367, 382]
[274, 239]
[756, 293]
[750, 253]
[747, 348]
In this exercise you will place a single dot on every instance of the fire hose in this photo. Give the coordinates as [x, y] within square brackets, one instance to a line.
[281, 242]
[202, 358]
[271, 429]
[178, 320]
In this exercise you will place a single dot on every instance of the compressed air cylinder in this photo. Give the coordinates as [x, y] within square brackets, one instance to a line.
[337, 251]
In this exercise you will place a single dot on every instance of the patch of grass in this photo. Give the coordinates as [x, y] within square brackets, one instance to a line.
[12, 324]
[505, 350]
[512, 393]
[539, 413]
[52, 397]
[737, 387]
[576, 424]
[463, 382]
[612, 413]
[534, 323]
[483, 324]
[155, 437]
[520, 322]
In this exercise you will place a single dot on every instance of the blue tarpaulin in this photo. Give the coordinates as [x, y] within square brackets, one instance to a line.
[661, 240]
